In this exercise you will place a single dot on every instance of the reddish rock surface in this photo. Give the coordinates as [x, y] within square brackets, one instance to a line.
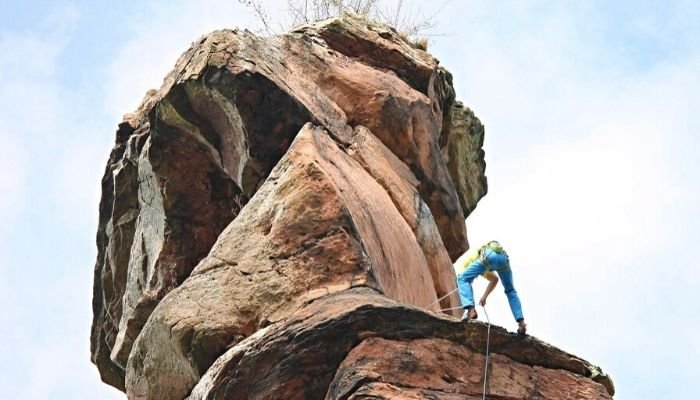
[318, 225]
[443, 369]
[400, 184]
[372, 346]
[198, 148]
[284, 208]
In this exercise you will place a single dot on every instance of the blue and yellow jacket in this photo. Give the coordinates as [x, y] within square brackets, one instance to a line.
[490, 254]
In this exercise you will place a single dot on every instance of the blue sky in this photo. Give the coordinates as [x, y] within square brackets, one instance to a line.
[592, 132]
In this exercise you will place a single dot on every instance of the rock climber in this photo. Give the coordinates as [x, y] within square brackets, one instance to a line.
[485, 260]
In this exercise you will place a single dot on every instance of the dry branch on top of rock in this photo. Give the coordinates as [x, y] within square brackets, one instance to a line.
[404, 16]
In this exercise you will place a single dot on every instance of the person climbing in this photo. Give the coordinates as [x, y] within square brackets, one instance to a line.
[485, 260]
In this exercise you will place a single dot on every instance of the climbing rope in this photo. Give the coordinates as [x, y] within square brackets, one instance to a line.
[488, 339]
[488, 344]
[450, 309]
[488, 335]
[440, 299]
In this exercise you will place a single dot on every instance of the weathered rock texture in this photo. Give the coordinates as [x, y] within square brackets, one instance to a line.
[465, 157]
[373, 347]
[320, 224]
[281, 210]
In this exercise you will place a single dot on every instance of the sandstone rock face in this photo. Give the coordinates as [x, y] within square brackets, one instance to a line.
[412, 101]
[320, 224]
[377, 347]
[465, 157]
[282, 209]
[187, 161]
[159, 217]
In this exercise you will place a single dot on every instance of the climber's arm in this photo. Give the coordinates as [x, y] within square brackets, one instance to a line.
[493, 281]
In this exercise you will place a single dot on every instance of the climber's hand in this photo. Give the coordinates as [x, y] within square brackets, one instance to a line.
[482, 302]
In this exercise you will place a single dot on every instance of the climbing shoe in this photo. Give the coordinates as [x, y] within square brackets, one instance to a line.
[469, 314]
[522, 327]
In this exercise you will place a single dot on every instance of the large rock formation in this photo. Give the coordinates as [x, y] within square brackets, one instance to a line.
[279, 214]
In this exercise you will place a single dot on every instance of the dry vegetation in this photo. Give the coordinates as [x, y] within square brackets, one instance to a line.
[407, 18]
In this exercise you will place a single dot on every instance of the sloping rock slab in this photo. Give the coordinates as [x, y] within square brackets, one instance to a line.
[358, 344]
[401, 185]
[319, 224]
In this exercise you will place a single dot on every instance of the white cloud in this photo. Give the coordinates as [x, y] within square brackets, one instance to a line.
[592, 180]
[31, 103]
[76, 184]
[12, 178]
[49, 354]
[46, 323]
[161, 32]
[26, 111]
